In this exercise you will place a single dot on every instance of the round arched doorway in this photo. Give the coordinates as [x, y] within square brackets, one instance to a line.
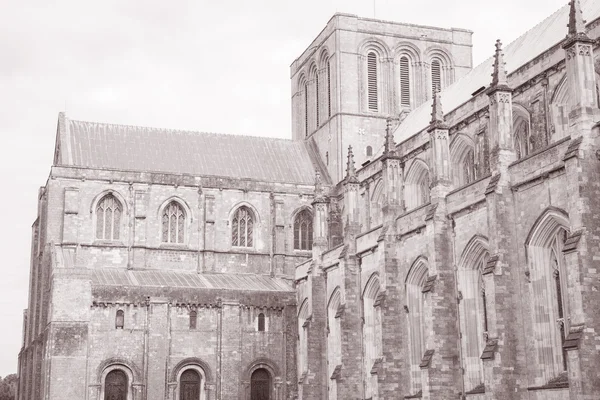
[260, 385]
[115, 385]
[189, 385]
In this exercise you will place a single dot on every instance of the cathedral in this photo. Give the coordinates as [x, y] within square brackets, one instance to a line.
[431, 231]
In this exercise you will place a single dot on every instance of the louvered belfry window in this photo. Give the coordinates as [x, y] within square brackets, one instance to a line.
[317, 95]
[436, 76]
[108, 218]
[242, 227]
[404, 82]
[303, 231]
[372, 81]
[173, 223]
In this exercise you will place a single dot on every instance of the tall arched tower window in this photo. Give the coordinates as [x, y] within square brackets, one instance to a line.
[303, 230]
[436, 75]
[305, 104]
[404, 82]
[372, 95]
[315, 96]
[329, 88]
[242, 228]
[108, 218]
[173, 223]
[261, 322]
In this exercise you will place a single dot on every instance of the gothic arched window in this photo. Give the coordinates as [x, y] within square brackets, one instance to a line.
[329, 88]
[415, 308]
[261, 322]
[173, 223]
[404, 82]
[417, 185]
[303, 231]
[115, 385]
[305, 87]
[242, 228]
[550, 311]
[372, 96]
[108, 218]
[522, 138]
[120, 319]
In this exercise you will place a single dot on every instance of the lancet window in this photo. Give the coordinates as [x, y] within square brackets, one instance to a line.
[303, 230]
[108, 218]
[242, 228]
[173, 223]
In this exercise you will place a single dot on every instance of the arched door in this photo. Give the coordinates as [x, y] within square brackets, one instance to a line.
[260, 385]
[189, 385]
[115, 385]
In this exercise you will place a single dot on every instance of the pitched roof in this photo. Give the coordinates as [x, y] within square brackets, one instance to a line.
[171, 279]
[532, 43]
[134, 148]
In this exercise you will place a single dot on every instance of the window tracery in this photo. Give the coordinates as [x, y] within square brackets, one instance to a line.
[242, 228]
[173, 223]
[303, 231]
[108, 218]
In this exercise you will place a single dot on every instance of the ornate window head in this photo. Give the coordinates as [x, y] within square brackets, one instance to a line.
[242, 228]
[173, 223]
[108, 218]
[303, 231]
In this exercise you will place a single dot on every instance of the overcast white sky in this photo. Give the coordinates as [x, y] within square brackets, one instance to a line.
[219, 66]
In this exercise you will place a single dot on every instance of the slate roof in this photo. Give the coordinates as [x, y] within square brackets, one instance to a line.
[528, 46]
[159, 278]
[134, 148]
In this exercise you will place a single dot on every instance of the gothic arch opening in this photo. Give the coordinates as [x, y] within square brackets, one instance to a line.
[416, 191]
[415, 308]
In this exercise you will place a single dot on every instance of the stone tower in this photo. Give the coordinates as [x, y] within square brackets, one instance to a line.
[358, 72]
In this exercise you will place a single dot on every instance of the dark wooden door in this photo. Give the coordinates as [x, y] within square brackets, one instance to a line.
[190, 385]
[115, 386]
[260, 385]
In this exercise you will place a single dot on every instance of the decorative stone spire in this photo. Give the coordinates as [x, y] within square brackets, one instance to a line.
[437, 115]
[499, 78]
[389, 149]
[576, 22]
[350, 168]
[319, 191]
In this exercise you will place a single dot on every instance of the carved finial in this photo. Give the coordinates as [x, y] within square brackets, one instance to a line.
[319, 190]
[576, 22]
[499, 75]
[390, 145]
[350, 168]
[437, 115]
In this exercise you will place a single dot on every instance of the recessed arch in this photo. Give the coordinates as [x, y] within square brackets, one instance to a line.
[560, 106]
[113, 365]
[372, 44]
[418, 271]
[335, 299]
[372, 287]
[416, 184]
[407, 49]
[474, 249]
[462, 156]
[543, 227]
[375, 204]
